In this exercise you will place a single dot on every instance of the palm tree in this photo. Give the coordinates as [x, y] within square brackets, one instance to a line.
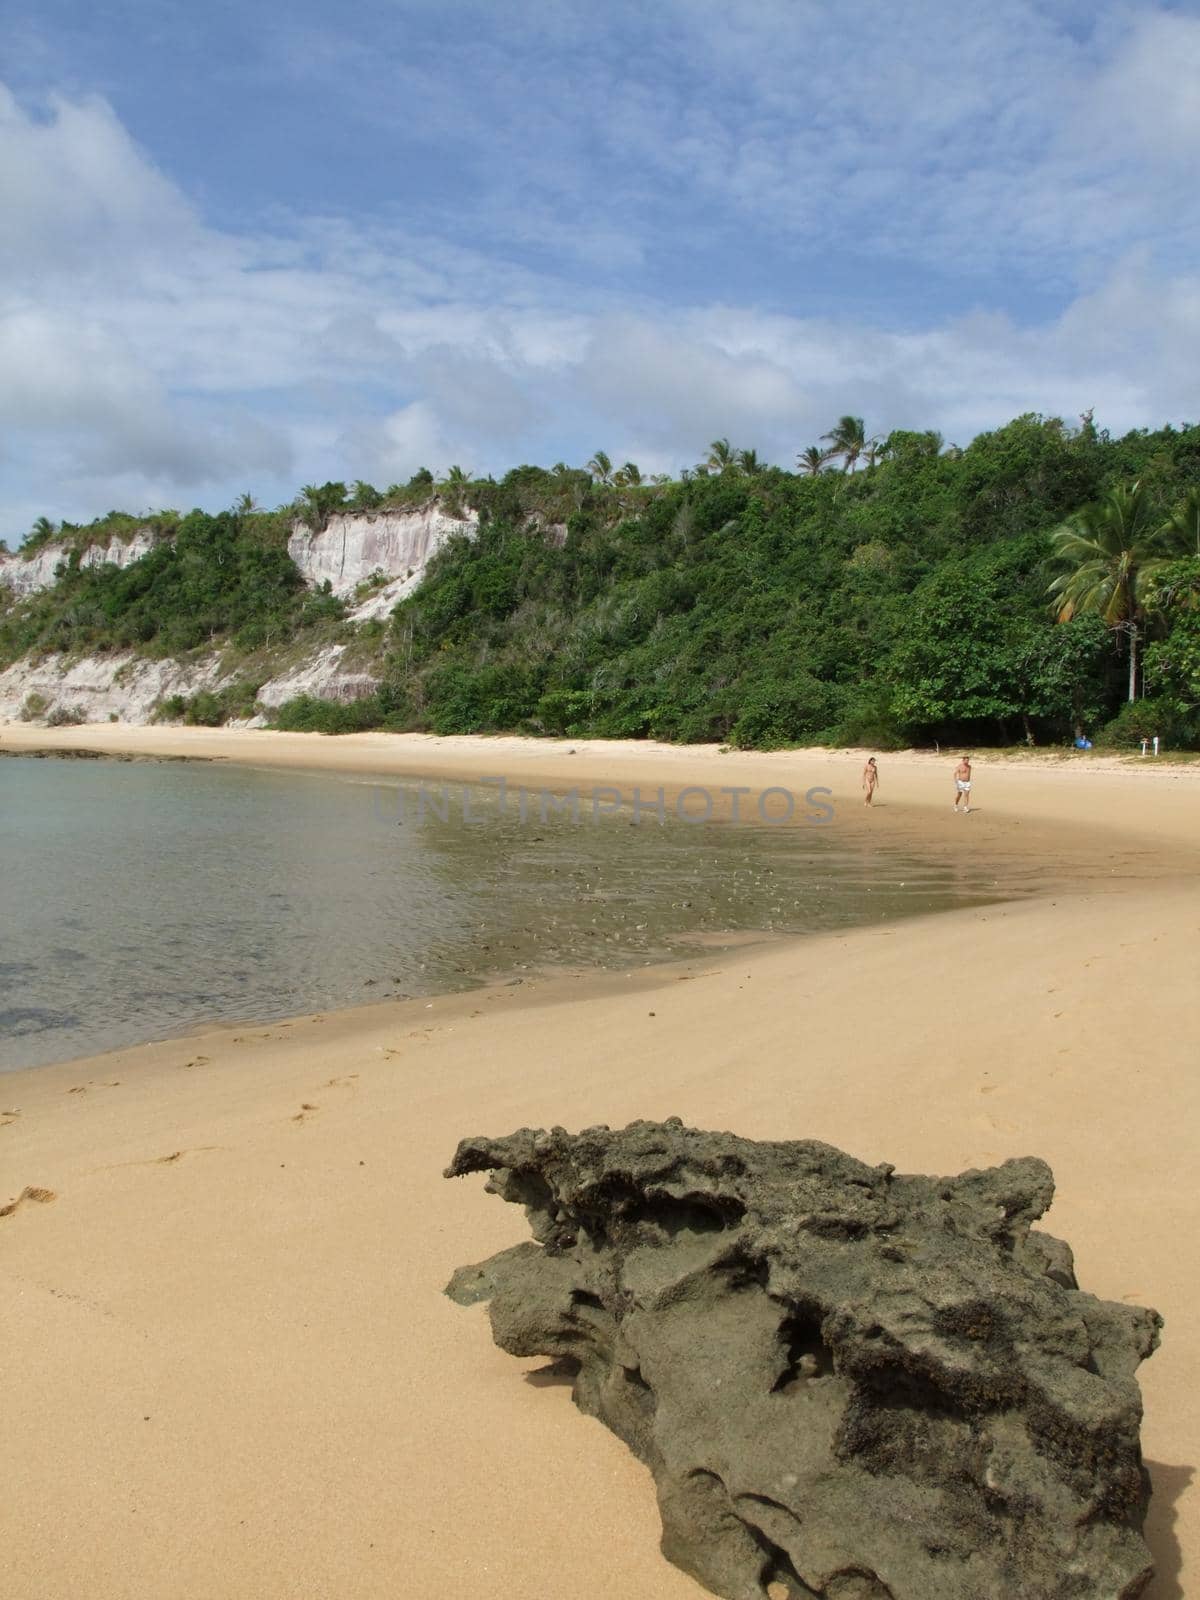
[600, 467]
[318, 503]
[721, 457]
[1181, 530]
[42, 530]
[456, 478]
[749, 463]
[812, 460]
[365, 496]
[245, 504]
[1114, 550]
[629, 476]
[848, 440]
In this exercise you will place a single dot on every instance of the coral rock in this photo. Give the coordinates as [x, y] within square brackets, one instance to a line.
[846, 1382]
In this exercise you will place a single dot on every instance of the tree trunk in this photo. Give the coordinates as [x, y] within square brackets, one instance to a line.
[1133, 661]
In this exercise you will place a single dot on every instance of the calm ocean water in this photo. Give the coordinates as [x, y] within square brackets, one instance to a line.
[141, 899]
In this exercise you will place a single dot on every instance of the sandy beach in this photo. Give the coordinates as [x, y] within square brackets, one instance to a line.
[230, 1370]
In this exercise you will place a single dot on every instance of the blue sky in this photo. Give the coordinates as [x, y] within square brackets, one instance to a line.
[248, 246]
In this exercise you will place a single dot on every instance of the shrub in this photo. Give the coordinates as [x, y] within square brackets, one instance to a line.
[66, 717]
[209, 708]
[309, 714]
[35, 706]
[1146, 719]
[205, 710]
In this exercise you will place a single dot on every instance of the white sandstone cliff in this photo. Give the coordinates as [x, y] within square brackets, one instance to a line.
[354, 546]
[26, 575]
[352, 549]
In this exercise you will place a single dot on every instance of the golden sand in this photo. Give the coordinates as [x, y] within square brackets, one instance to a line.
[228, 1367]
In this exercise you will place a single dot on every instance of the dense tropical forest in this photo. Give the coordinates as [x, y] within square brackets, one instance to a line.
[1041, 584]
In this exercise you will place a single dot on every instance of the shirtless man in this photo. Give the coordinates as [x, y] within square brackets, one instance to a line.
[962, 783]
[870, 780]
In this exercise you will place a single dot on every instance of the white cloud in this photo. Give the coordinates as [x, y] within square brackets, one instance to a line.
[147, 356]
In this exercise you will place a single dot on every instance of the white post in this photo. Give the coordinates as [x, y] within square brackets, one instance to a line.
[1145, 742]
[1155, 744]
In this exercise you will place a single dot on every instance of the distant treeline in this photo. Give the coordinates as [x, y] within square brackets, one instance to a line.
[1022, 587]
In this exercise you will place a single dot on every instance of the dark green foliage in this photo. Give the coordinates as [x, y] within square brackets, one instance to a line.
[907, 601]
[1173, 662]
[315, 505]
[209, 708]
[975, 653]
[904, 599]
[217, 580]
[1153, 717]
[306, 714]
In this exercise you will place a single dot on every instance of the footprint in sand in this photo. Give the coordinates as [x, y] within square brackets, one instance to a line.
[196, 1061]
[32, 1193]
[303, 1113]
[177, 1155]
[80, 1088]
[8, 1116]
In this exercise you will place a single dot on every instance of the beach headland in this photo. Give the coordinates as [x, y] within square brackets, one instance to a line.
[231, 1371]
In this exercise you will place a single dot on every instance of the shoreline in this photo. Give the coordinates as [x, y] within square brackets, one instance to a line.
[1007, 842]
[233, 1373]
[1054, 790]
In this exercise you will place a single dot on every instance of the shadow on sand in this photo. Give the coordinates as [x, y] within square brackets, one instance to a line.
[1169, 1483]
[556, 1375]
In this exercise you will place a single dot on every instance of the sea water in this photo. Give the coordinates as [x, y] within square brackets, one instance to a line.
[140, 899]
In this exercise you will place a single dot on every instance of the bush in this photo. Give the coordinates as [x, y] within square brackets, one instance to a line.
[209, 708]
[35, 706]
[790, 713]
[1146, 719]
[66, 717]
[870, 722]
[205, 710]
[308, 714]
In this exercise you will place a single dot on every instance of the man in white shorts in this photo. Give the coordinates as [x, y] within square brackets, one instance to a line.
[962, 783]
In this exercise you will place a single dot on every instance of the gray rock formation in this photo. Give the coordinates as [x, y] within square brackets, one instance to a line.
[846, 1382]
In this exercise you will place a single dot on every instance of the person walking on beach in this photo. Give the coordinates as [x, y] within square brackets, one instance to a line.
[870, 780]
[962, 783]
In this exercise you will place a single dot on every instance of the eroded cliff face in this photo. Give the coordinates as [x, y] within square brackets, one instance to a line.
[129, 688]
[28, 575]
[348, 550]
[97, 688]
[352, 548]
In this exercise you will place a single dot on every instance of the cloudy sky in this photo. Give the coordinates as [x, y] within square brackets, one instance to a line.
[246, 246]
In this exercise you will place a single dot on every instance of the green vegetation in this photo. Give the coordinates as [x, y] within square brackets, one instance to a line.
[209, 708]
[219, 579]
[35, 706]
[1113, 551]
[307, 714]
[904, 598]
[1023, 587]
